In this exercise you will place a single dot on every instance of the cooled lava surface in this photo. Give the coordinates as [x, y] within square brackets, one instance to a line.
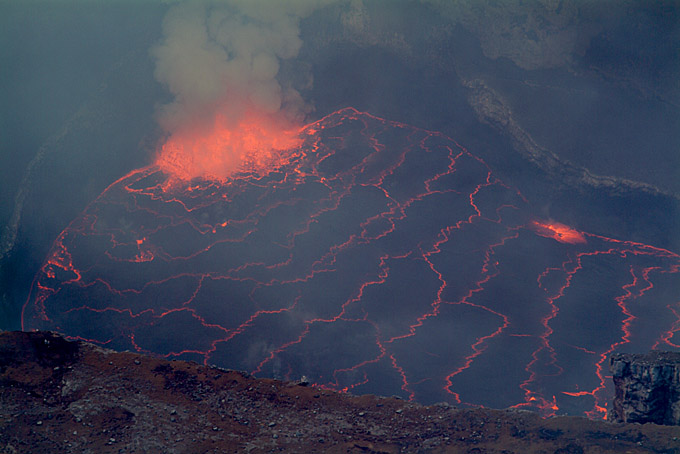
[372, 257]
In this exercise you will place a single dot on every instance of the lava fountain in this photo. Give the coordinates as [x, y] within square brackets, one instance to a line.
[256, 143]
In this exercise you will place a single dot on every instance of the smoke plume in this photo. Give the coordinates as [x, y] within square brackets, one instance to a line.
[220, 60]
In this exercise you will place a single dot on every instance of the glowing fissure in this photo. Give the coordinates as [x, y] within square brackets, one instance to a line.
[368, 255]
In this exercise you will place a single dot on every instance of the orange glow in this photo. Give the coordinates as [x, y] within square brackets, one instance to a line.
[578, 393]
[255, 143]
[558, 232]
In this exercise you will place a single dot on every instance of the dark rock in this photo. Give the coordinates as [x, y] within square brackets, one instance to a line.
[570, 449]
[45, 348]
[126, 410]
[548, 434]
[647, 388]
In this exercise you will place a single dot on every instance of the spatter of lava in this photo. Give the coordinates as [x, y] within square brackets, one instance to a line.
[377, 258]
[256, 143]
[557, 231]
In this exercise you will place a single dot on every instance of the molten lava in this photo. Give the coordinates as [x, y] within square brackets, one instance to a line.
[558, 232]
[255, 143]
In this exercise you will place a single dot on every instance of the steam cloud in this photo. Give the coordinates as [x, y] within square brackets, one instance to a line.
[223, 57]
[220, 59]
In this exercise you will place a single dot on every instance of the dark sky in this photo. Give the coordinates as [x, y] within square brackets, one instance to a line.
[577, 106]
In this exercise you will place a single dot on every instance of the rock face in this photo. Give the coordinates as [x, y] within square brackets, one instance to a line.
[647, 388]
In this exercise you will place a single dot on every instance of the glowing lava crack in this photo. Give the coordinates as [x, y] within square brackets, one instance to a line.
[377, 258]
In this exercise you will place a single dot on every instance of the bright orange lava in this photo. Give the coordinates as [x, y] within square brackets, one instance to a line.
[256, 143]
[557, 231]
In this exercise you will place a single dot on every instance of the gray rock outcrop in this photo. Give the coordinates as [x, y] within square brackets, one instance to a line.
[647, 388]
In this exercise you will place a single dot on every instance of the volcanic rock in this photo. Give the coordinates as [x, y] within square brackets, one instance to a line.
[647, 387]
[75, 397]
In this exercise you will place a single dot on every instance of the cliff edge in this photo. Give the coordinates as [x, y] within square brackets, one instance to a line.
[647, 388]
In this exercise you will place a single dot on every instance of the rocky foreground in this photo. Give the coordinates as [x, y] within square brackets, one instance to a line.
[58, 396]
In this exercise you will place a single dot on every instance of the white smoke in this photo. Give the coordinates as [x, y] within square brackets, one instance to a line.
[222, 57]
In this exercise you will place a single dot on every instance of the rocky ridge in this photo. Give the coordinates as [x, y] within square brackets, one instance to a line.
[74, 397]
[492, 109]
